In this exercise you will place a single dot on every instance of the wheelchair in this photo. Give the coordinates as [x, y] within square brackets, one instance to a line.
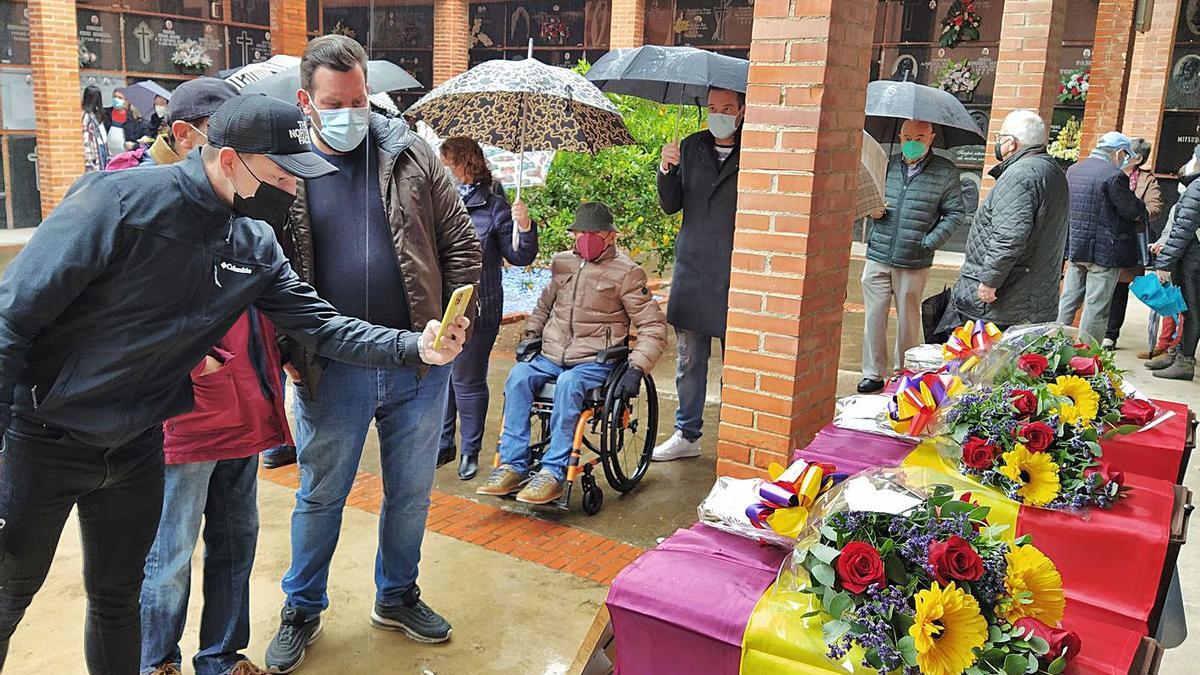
[620, 431]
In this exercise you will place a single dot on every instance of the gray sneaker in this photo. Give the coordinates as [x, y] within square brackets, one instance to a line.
[1162, 360]
[1184, 368]
[412, 617]
[296, 632]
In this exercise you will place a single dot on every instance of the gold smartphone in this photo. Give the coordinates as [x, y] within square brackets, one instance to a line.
[456, 308]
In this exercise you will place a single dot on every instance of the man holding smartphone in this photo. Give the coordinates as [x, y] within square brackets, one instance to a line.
[385, 239]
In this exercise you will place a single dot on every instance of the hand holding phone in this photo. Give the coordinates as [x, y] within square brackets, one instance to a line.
[457, 307]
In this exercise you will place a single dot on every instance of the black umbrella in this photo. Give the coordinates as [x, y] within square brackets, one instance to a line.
[382, 76]
[889, 102]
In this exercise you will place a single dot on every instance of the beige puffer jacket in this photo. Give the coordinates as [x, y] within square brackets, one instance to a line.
[589, 307]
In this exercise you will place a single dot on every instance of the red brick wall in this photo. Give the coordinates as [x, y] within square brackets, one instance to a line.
[799, 168]
[628, 24]
[289, 26]
[1027, 69]
[451, 39]
[1148, 73]
[56, 97]
[1109, 78]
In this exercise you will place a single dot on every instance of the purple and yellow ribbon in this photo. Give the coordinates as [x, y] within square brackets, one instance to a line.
[967, 345]
[918, 398]
[787, 497]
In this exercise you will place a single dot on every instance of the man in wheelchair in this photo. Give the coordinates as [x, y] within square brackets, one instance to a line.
[595, 294]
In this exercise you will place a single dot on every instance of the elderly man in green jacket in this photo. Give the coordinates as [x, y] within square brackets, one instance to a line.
[924, 207]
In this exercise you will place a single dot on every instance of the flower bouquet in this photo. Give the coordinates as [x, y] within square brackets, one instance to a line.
[1074, 87]
[769, 511]
[958, 79]
[1066, 146]
[1029, 442]
[917, 582]
[190, 55]
[961, 23]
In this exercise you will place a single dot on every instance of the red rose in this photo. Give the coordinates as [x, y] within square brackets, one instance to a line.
[1060, 640]
[1107, 473]
[1034, 364]
[859, 566]
[955, 560]
[1038, 435]
[1085, 365]
[979, 453]
[1136, 411]
[1025, 401]
[1081, 345]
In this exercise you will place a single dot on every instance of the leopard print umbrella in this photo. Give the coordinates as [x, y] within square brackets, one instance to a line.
[523, 105]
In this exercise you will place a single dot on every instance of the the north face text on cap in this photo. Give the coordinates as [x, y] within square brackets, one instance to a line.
[300, 133]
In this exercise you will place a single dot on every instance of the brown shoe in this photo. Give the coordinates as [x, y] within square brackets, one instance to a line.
[1153, 354]
[503, 481]
[247, 667]
[167, 669]
[543, 488]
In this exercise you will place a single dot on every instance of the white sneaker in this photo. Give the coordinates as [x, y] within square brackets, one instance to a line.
[676, 447]
[1108, 344]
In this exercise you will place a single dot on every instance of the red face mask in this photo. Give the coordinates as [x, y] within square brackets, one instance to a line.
[590, 245]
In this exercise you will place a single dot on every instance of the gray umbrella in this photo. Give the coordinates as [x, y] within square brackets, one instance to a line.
[676, 75]
[890, 102]
[381, 76]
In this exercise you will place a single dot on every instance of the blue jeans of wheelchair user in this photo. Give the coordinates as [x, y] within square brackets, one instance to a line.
[524, 381]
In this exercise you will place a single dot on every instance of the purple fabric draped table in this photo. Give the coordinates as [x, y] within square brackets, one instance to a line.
[851, 451]
[683, 606]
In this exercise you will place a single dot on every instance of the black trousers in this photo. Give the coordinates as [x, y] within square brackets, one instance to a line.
[119, 493]
[1187, 276]
[1116, 313]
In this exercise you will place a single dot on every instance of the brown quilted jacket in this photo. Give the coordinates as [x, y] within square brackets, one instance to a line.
[589, 307]
[434, 240]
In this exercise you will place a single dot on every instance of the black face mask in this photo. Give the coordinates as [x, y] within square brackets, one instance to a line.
[998, 150]
[268, 203]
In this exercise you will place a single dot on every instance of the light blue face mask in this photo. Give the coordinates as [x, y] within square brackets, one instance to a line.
[118, 103]
[344, 128]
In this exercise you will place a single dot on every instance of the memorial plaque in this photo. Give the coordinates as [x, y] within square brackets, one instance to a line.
[550, 23]
[248, 45]
[1183, 85]
[918, 19]
[1188, 29]
[16, 100]
[906, 63]
[1073, 61]
[990, 13]
[313, 9]
[417, 63]
[881, 14]
[478, 56]
[99, 40]
[25, 197]
[107, 84]
[196, 9]
[1060, 118]
[487, 25]
[597, 23]
[14, 33]
[352, 22]
[151, 43]
[979, 61]
[971, 182]
[257, 12]
[1081, 26]
[1176, 141]
[660, 22]
[403, 27]
[713, 22]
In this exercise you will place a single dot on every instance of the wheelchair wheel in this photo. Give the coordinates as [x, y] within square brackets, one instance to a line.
[593, 496]
[629, 433]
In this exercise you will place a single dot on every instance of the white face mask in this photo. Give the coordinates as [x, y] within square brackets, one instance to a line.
[161, 110]
[722, 125]
[343, 128]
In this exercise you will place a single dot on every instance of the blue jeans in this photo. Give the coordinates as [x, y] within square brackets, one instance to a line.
[691, 381]
[223, 494]
[408, 412]
[468, 397]
[523, 381]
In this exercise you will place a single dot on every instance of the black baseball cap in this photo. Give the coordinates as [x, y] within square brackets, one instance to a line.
[198, 98]
[262, 125]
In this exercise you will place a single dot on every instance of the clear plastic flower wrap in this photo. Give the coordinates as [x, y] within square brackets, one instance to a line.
[769, 511]
[901, 570]
[866, 412]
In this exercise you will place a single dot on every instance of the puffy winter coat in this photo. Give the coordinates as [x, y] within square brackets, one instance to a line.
[1104, 216]
[923, 212]
[1182, 242]
[1016, 243]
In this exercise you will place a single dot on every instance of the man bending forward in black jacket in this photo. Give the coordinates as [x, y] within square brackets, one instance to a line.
[121, 291]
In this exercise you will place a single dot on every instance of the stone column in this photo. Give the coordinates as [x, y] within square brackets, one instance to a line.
[54, 55]
[289, 27]
[1109, 79]
[1149, 71]
[451, 39]
[628, 24]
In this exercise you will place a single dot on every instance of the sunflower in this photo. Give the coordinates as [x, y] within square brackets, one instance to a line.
[1034, 586]
[1082, 403]
[947, 631]
[1035, 473]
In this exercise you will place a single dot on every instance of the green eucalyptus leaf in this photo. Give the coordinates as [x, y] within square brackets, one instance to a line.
[1057, 666]
[1015, 664]
[824, 553]
[908, 649]
[835, 630]
[824, 574]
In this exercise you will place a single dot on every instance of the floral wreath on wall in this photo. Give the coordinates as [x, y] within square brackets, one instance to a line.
[190, 55]
[1074, 87]
[1066, 146]
[961, 23]
[956, 77]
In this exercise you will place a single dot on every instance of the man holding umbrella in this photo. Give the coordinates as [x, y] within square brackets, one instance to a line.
[925, 207]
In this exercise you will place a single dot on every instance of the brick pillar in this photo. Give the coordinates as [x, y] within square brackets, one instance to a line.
[1027, 72]
[54, 54]
[1148, 73]
[1109, 79]
[289, 27]
[809, 62]
[628, 24]
[451, 39]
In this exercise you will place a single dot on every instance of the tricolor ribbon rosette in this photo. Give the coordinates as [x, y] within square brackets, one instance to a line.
[918, 398]
[788, 496]
[968, 343]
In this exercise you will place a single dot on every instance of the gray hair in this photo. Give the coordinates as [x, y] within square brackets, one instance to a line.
[1141, 148]
[1025, 126]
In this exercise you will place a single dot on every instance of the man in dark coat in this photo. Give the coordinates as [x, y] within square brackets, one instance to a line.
[699, 177]
[924, 208]
[1104, 217]
[1179, 261]
[1015, 247]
